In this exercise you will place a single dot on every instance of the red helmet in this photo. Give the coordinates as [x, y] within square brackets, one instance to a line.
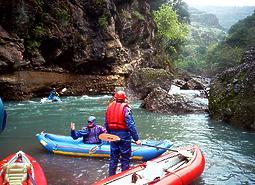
[120, 96]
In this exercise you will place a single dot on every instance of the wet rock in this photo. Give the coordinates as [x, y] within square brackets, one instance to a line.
[187, 81]
[37, 60]
[11, 56]
[159, 100]
[232, 94]
[194, 84]
[178, 82]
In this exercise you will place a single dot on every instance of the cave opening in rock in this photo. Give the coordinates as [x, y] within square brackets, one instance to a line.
[95, 67]
[50, 49]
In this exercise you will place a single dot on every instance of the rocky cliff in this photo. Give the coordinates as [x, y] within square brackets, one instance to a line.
[204, 18]
[107, 38]
[232, 94]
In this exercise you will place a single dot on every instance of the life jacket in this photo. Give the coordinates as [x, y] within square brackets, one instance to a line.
[115, 116]
[92, 137]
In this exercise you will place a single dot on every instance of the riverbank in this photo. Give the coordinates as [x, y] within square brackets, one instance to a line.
[24, 85]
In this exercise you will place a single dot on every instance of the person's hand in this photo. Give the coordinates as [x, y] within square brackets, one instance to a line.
[72, 126]
[138, 142]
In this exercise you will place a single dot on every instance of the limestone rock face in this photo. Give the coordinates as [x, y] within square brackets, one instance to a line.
[205, 18]
[95, 37]
[22, 85]
[11, 49]
[88, 37]
[232, 94]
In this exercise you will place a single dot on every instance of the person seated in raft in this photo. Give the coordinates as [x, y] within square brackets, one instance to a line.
[53, 94]
[90, 133]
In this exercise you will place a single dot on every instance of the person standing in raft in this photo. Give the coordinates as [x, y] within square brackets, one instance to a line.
[53, 94]
[119, 121]
[90, 133]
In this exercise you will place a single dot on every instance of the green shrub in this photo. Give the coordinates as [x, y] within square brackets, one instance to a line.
[103, 22]
[125, 14]
[39, 30]
[33, 45]
[38, 2]
[62, 16]
[138, 15]
[100, 3]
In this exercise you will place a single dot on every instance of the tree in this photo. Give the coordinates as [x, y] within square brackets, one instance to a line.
[181, 9]
[155, 4]
[170, 31]
[179, 6]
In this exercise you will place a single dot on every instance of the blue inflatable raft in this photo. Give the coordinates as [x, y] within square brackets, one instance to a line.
[65, 145]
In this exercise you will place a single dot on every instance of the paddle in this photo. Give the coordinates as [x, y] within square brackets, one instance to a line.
[4, 120]
[111, 138]
[3, 116]
[57, 98]
[63, 90]
[94, 148]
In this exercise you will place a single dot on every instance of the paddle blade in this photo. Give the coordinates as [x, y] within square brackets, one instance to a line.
[64, 90]
[109, 137]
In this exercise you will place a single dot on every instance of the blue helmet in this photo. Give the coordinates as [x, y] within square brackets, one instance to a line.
[92, 119]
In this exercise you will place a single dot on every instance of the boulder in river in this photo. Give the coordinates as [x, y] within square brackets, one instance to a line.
[144, 80]
[159, 100]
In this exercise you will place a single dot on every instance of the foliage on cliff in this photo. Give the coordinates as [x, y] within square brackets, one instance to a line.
[228, 53]
[179, 6]
[209, 50]
[204, 30]
[88, 37]
[108, 38]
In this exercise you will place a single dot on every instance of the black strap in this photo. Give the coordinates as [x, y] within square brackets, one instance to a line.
[32, 179]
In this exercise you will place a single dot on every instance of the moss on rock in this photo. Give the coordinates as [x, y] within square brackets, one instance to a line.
[232, 96]
[144, 80]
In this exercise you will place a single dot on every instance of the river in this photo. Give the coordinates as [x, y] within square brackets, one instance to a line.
[229, 152]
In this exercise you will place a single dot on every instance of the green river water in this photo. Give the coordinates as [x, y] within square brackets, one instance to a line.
[229, 152]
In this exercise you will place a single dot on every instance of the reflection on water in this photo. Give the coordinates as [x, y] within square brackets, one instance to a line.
[229, 152]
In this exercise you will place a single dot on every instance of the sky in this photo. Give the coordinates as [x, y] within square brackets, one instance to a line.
[221, 2]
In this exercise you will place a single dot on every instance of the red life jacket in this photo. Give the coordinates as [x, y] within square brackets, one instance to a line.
[115, 116]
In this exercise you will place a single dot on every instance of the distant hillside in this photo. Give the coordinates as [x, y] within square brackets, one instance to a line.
[228, 53]
[228, 15]
[204, 18]
[204, 31]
